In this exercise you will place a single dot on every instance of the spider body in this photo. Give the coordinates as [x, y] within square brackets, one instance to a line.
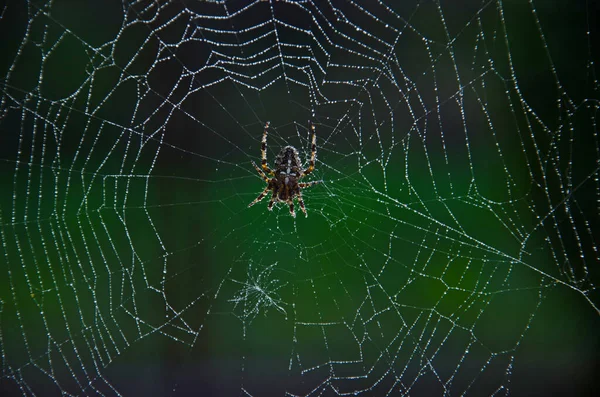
[284, 184]
[287, 170]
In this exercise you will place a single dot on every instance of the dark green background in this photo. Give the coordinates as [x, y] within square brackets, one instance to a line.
[449, 249]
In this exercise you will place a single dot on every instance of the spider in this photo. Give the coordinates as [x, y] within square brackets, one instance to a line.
[287, 173]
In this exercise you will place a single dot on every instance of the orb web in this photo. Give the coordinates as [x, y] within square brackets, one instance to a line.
[451, 248]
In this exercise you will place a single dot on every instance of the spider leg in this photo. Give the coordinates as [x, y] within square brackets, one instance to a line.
[263, 150]
[313, 151]
[262, 174]
[301, 201]
[308, 184]
[260, 196]
[292, 212]
[272, 201]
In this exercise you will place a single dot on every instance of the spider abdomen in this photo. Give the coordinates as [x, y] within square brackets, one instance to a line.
[288, 161]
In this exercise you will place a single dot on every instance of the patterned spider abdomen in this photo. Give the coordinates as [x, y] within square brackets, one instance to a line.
[287, 171]
[288, 163]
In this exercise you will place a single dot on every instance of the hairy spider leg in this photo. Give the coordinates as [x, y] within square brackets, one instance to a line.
[260, 196]
[308, 184]
[291, 203]
[262, 174]
[272, 201]
[313, 151]
[301, 202]
[263, 150]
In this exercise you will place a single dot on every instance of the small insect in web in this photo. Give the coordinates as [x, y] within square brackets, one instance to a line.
[288, 171]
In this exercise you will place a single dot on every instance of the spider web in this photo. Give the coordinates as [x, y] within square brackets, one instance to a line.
[451, 249]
